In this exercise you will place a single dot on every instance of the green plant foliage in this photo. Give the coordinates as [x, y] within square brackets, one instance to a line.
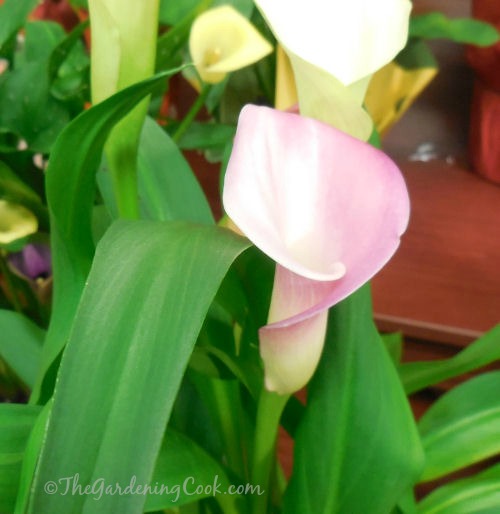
[478, 494]
[168, 190]
[183, 463]
[70, 187]
[16, 422]
[419, 375]
[21, 345]
[131, 340]
[461, 30]
[13, 14]
[462, 427]
[29, 110]
[357, 448]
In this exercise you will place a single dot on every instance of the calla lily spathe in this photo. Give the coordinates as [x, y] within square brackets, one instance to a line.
[328, 208]
[392, 90]
[223, 40]
[334, 47]
[16, 222]
[123, 53]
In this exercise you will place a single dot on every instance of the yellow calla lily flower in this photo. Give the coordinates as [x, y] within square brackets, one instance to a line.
[391, 92]
[222, 40]
[15, 222]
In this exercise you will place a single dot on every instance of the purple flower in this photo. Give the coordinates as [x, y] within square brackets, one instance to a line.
[32, 262]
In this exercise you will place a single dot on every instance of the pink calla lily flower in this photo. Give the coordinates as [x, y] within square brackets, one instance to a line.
[328, 208]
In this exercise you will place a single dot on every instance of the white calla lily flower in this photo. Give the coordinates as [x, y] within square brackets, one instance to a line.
[335, 47]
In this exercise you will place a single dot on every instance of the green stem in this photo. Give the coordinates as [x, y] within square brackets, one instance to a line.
[5, 271]
[228, 409]
[191, 115]
[269, 410]
[125, 186]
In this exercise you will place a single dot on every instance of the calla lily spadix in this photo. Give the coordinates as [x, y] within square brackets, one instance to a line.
[223, 40]
[334, 47]
[328, 208]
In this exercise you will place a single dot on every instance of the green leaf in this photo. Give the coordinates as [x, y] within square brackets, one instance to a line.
[13, 14]
[478, 494]
[21, 345]
[148, 292]
[394, 344]
[418, 375]
[30, 459]
[168, 189]
[173, 13]
[30, 113]
[70, 185]
[357, 448]
[16, 422]
[170, 44]
[462, 427]
[205, 136]
[461, 30]
[183, 465]
[41, 38]
[416, 54]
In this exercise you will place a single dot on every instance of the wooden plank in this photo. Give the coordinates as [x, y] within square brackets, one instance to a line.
[444, 282]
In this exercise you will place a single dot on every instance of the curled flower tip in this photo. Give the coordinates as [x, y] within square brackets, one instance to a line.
[222, 40]
[328, 208]
[16, 222]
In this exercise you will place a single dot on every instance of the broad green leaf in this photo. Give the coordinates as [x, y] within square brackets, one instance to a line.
[461, 30]
[357, 449]
[478, 494]
[16, 422]
[70, 186]
[462, 427]
[13, 14]
[148, 292]
[418, 375]
[183, 465]
[21, 345]
[168, 189]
